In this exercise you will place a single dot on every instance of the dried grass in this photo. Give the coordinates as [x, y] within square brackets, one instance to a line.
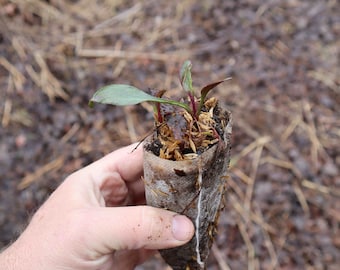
[91, 37]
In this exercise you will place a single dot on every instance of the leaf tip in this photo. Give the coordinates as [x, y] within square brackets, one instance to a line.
[227, 79]
[185, 76]
[91, 104]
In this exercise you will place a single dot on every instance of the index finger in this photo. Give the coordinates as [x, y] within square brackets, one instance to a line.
[126, 161]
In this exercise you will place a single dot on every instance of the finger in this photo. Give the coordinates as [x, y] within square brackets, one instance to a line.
[126, 161]
[135, 227]
[108, 177]
[116, 191]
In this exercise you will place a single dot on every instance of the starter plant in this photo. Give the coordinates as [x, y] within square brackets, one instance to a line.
[186, 159]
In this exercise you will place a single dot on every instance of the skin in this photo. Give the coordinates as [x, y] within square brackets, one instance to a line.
[96, 220]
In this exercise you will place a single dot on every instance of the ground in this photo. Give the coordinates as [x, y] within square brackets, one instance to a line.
[282, 200]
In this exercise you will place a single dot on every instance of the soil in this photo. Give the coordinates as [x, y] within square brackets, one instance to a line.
[282, 199]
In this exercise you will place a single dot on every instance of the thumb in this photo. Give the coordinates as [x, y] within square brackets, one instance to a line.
[135, 227]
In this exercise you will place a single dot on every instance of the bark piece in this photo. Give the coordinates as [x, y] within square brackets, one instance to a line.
[194, 188]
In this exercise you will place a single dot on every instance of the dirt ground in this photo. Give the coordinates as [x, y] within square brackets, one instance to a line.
[282, 201]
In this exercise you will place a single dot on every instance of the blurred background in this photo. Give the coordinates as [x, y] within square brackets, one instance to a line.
[282, 200]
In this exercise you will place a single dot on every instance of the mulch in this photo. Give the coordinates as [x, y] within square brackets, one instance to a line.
[282, 199]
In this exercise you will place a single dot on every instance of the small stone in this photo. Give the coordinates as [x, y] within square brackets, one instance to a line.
[20, 140]
[330, 169]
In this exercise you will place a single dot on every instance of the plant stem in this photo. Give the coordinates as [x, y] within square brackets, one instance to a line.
[201, 104]
[159, 113]
[193, 106]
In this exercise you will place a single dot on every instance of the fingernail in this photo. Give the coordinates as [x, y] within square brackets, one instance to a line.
[182, 228]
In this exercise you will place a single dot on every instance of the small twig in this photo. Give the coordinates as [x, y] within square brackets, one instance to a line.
[283, 164]
[333, 213]
[18, 78]
[179, 56]
[252, 261]
[249, 148]
[219, 258]
[247, 128]
[317, 145]
[231, 183]
[279, 49]
[290, 129]
[327, 78]
[72, 131]
[47, 80]
[171, 57]
[268, 243]
[289, 165]
[30, 178]
[142, 140]
[320, 188]
[6, 116]
[255, 165]
[301, 197]
[16, 43]
[130, 124]
[191, 202]
[119, 68]
[128, 13]
[245, 214]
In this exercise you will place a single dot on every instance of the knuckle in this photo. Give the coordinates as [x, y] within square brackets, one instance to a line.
[154, 224]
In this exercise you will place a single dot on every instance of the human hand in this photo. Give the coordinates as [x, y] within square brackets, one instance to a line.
[86, 223]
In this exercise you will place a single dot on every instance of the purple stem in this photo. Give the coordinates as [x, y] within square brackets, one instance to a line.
[159, 113]
[193, 105]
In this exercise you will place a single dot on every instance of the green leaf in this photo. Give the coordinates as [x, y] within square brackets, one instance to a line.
[122, 94]
[185, 75]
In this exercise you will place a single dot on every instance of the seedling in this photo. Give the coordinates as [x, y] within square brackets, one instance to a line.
[185, 125]
[122, 94]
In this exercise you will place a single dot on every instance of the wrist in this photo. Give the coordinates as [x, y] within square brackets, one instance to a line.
[16, 257]
[8, 260]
